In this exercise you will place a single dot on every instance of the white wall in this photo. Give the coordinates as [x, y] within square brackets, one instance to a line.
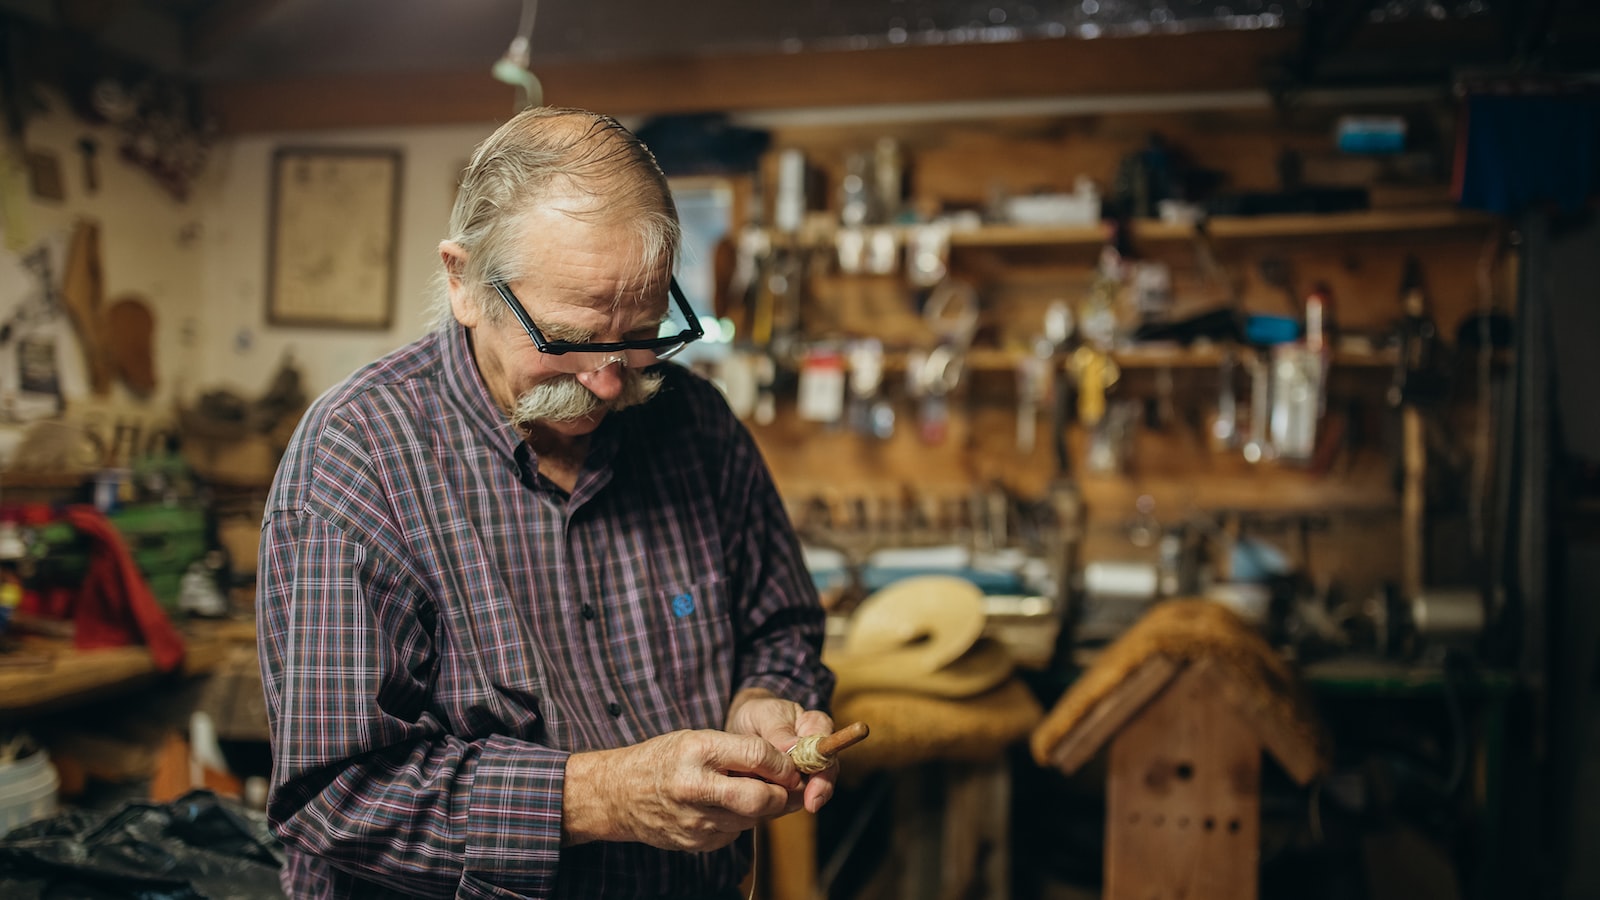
[149, 247]
[237, 348]
[201, 263]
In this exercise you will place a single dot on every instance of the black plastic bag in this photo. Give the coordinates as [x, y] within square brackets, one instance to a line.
[198, 847]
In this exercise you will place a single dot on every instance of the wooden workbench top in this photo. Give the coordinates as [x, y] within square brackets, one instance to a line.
[46, 674]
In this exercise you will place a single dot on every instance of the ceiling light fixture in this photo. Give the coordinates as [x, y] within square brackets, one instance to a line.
[512, 68]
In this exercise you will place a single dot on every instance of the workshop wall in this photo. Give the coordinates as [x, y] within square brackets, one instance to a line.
[236, 345]
[202, 264]
[199, 263]
[1169, 470]
[150, 248]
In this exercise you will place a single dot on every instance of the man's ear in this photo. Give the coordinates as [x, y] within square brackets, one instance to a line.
[463, 302]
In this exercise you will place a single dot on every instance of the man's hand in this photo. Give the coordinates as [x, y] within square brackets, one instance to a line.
[782, 723]
[684, 790]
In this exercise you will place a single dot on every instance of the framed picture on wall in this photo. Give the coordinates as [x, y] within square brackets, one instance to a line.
[332, 237]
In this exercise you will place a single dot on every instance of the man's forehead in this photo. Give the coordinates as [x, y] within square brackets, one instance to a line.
[616, 251]
[582, 318]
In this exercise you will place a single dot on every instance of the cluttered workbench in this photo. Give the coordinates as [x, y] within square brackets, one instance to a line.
[1419, 755]
[45, 674]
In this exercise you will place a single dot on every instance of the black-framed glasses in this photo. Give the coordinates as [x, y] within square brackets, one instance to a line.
[578, 357]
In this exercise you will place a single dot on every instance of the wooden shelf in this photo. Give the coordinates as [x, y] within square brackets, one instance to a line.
[1271, 489]
[1030, 236]
[991, 359]
[43, 479]
[1397, 221]
[1390, 221]
[1220, 228]
[1210, 356]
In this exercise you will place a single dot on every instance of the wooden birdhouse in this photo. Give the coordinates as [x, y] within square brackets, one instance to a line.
[1187, 699]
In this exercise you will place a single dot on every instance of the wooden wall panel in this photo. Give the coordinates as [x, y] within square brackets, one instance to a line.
[1353, 540]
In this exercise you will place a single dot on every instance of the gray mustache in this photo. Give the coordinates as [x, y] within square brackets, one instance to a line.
[564, 398]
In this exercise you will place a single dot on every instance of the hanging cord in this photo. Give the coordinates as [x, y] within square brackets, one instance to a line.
[807, 755]
[755, 860]
[811, 754]
[530, 10]
[816, 752]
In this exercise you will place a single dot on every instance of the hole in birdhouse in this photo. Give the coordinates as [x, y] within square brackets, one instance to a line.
[1233, 826]
[1158, 777]
[1184, 771]
[1211, 823]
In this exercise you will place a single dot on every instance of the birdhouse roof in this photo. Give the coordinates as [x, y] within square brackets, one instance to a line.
[1170, 637]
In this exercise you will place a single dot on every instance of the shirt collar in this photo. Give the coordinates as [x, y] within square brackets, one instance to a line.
[466, 387]
[465, 384]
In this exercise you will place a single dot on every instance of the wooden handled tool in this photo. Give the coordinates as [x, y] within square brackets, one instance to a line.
[848, 736]
[813, 753]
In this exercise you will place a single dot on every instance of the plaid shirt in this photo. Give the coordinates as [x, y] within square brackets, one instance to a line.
[440, 627]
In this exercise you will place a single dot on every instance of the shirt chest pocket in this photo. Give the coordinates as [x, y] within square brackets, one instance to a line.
[672, 652]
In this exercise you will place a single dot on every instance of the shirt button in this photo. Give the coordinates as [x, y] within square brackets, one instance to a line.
[588, 612]
[614, 708]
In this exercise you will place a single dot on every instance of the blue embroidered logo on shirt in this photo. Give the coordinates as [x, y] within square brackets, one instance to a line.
[682, 605]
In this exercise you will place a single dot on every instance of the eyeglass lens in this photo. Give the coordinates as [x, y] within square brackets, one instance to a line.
[578, 362]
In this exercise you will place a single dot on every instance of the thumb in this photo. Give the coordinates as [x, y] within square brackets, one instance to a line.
[755, 757]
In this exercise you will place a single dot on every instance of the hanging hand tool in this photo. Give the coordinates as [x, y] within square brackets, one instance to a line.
[1058, 331]
[766, 373]
[870, 413]
[951, 313]
[88, 147]
[1095, 372]
[937, 375]
[1225, 428]
[1257, 449]
[1297, 391]
[1417, 384]
[82, 293]
[1034, 379]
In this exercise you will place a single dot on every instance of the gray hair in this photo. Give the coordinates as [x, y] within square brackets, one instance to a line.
[540, 152]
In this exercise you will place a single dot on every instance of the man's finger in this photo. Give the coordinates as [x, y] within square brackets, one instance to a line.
[756, 758]
[751, 798]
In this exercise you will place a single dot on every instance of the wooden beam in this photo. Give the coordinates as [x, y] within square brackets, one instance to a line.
[361, 101]
[220, 23]
[1205, 61]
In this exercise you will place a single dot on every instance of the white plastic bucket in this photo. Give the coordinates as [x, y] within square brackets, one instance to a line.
[27, 790]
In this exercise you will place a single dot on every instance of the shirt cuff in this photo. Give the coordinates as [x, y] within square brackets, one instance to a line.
[806, 693]
[513, 838]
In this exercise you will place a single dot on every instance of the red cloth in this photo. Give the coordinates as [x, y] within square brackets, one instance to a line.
[114, 606]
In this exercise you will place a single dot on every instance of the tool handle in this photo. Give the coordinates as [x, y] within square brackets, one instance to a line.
[848, 736]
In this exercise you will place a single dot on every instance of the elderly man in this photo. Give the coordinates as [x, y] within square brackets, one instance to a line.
[532, 619]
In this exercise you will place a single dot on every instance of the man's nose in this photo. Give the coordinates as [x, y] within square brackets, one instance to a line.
[604, 382]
